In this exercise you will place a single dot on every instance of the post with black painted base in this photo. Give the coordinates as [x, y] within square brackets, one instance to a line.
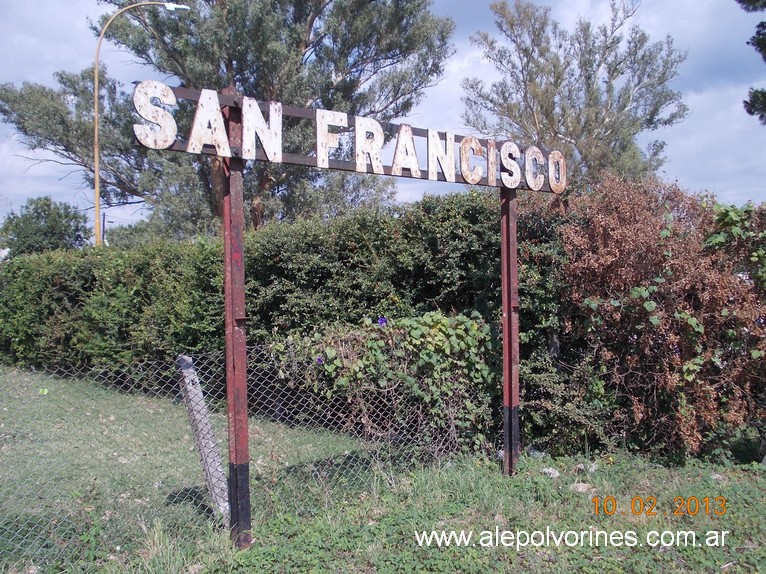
[236, 343]
[509, 271]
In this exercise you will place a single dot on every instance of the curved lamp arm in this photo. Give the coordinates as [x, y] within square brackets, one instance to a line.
[171, 7]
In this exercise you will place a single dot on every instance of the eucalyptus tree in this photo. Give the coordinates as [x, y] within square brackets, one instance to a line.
[755, 105]
[59, 120]
[587, 92]
[43, 225]
[365, 57]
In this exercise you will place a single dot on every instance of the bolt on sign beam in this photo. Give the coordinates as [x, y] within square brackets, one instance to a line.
[236, 343]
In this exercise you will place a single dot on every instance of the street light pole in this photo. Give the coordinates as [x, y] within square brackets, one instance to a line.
[171, 7]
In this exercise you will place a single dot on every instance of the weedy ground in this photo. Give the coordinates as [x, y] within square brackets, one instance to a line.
[95, 480]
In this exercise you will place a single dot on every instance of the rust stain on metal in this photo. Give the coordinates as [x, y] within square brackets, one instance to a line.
[539, 171]
[405, 156]
[510, 171]
[370, 143]
[163, 134]
[208, 126]
[236, 342]
[325, 138]
[470, 146]
[533, 170]
[441, 157]
[557, 172]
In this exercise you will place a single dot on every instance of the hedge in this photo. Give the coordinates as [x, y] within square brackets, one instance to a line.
[106, 304]
[639, 327]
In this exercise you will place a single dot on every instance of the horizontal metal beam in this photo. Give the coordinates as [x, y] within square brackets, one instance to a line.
[335, 164]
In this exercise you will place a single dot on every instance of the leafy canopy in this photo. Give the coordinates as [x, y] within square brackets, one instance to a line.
[44, 225]
[588, 92]
[755, 105]
[362, 57]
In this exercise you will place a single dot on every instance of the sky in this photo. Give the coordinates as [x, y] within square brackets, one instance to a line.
[718, 148]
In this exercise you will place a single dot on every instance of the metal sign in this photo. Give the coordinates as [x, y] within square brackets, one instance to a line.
[234, 127]
[475, 161]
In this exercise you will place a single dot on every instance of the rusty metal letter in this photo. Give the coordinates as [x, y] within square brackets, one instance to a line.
[208, 126]
[491, 163]
[470, 143]
[364, 145]
[446, 158]
[326, 139]
[254, 127]
[557, 172]
[142, 99]
[533, 168]
[510, 172]
[405, 156]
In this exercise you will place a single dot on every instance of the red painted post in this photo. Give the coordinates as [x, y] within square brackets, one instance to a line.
[509, 271]
[236, 344]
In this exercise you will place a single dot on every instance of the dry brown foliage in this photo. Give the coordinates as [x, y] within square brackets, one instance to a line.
[681, 333]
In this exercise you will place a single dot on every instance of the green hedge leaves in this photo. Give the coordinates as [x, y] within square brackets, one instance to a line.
[642, 313]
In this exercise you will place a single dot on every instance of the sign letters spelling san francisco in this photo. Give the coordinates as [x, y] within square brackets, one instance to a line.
[475, 161]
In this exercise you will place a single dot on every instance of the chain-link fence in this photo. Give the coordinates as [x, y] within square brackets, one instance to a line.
[89, 460]
[92, 458]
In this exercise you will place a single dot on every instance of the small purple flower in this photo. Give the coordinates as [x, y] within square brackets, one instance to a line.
[382, 321]
[320, 360]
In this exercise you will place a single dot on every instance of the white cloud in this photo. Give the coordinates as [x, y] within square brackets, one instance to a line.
[25, 174]
[718, 147]
[442, 107]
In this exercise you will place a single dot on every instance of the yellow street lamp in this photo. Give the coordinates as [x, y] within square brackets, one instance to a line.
[170, 6]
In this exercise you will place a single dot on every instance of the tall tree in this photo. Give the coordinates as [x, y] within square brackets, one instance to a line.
[60, 120]
[755, 105]
[365, 57]
[43, 225]
[588, 92]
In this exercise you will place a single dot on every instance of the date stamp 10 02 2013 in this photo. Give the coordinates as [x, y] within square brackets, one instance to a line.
[648, 506]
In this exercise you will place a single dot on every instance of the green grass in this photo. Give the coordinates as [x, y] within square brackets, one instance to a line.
[90, 476]
[84, 470]
[374, 531]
